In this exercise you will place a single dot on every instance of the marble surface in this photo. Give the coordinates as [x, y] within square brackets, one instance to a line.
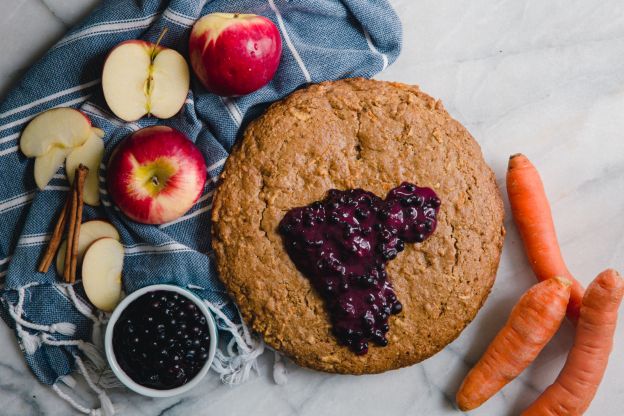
[542, 77]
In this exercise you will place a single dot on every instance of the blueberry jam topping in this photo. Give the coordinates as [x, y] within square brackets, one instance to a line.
[161, 340]
[342, 244]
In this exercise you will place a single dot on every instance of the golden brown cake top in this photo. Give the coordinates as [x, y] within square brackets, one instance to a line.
[357, 133]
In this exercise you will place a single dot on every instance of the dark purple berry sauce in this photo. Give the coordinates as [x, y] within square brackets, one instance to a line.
[342, 244]
[161, 340]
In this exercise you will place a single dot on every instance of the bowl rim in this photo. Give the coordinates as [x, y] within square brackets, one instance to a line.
[129, 382]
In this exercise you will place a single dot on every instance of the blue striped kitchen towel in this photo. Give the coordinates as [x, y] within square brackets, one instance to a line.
[55, 325]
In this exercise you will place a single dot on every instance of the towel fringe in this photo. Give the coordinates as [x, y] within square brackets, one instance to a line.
[236, 366]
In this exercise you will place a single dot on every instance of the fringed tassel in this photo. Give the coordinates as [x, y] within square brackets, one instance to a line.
[236, 366]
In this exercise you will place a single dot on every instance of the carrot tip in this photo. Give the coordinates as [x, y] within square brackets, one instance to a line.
[513, 163]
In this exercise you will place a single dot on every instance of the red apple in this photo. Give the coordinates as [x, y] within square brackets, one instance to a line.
[155, 175]
[234, 54]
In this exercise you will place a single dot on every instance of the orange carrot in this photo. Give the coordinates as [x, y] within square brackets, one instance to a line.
[532, 323]
[531, 212]
[576, 385]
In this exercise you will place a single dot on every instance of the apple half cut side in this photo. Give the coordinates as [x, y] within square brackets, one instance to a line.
[89, 154]
[90, 231]
[60, 127]
[101, 273]
[47, 164]
[142, 78]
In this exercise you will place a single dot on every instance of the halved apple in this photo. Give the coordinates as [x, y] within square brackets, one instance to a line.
[46, 165]
[60, 127]
[90, 231]
[142, 78]
[101, 273]
[89, 154]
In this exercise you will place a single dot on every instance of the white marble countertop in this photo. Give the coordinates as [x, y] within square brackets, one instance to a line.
[545, 78]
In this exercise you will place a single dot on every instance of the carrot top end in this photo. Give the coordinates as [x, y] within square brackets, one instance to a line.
[565, 282]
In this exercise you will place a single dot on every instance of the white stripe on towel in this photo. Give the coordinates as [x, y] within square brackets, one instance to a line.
[178, 18]
[217, 164]
[289, 43]
[9, 150]
[30, 240]
[49, 98]
[108, 27]
[100, 112]
[9, 138]
[145, 248]
[28, 118]
[188, 216]
[232, 108]
[16, 201]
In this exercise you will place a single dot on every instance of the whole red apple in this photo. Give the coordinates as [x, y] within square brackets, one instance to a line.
[155, 175]
[234, 54]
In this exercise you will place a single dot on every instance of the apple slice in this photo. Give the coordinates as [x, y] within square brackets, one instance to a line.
[46, 165]
[101, 273]
[142, 78]
[90, 231]
[89, 154]
[60, 127]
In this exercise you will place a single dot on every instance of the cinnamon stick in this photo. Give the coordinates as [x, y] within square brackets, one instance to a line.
[71, 228]
[55, 240]
[74, 223]
[81, 176]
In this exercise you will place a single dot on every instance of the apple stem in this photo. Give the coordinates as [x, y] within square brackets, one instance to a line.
[155, 180]
[160, 38]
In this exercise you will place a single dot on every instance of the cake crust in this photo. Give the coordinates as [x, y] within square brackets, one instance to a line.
[357, 133]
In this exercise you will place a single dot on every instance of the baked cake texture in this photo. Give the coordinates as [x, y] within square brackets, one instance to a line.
[374, 135]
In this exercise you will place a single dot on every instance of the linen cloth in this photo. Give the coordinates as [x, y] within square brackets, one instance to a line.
[54, 322]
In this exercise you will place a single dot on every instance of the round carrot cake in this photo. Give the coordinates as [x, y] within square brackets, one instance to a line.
[357, 226]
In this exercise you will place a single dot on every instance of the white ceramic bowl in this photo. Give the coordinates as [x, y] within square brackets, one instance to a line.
[124, 378]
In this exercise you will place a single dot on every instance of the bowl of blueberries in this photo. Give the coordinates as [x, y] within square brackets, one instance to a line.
[160, 341]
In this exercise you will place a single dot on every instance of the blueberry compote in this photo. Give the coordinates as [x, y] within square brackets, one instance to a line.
[161, 340]
[342, 244]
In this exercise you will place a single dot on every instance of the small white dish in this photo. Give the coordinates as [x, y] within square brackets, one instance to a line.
[124, 378]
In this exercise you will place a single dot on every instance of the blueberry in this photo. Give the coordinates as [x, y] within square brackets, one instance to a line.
[397, 308]
[428, 225]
